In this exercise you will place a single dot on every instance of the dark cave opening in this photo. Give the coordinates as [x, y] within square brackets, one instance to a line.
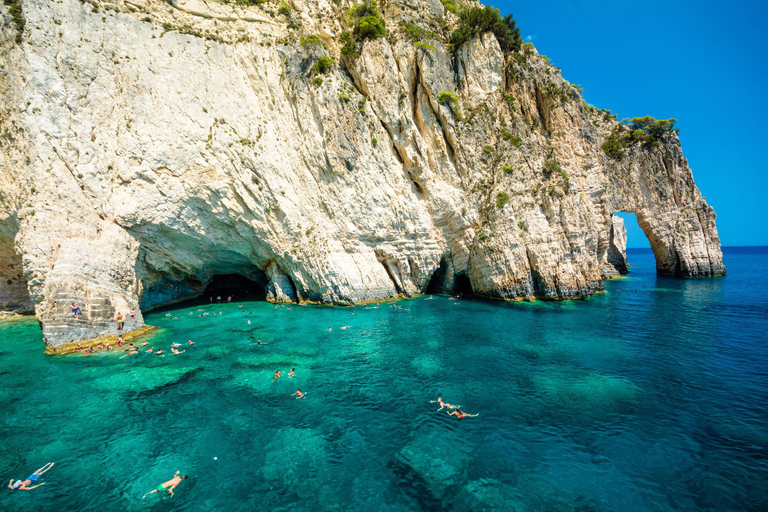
[236, 286]
[462, 285]
[436, 282]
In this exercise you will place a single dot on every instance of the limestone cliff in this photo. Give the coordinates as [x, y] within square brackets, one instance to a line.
[149, 145]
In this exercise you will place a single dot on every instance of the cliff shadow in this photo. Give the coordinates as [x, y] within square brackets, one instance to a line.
[14, 292]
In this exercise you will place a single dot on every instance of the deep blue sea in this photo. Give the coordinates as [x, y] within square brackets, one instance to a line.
[652, 396]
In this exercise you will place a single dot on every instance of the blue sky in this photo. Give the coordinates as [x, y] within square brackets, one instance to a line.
[704, 63]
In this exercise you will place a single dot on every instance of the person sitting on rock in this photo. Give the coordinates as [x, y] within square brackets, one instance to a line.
[18, 485]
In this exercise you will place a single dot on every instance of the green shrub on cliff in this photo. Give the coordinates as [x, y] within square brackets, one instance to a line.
[475, 21]
[501, 199]
[416, 33]
[322, 66]
[451, 6]
[17, 16]
[641, 130]
[551, 166]
[450, 100]
[366, 22]
[311, 41]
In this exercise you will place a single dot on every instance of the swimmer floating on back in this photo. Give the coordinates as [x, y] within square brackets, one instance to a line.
[443, 405]
[18, 485]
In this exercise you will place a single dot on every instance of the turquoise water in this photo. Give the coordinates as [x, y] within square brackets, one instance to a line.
[652, 396]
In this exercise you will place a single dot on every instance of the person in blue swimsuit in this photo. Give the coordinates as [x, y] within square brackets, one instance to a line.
[18, 485]
[76, 310]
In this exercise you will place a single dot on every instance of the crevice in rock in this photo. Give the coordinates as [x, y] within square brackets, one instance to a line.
[452, 154]
[534, 273]
[14, 292]
[385, 263]
[281, 287]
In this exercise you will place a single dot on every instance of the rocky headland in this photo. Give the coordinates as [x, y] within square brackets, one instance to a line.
[149, 145]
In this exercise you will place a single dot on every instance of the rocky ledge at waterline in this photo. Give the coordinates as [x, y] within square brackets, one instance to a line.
[334, 154]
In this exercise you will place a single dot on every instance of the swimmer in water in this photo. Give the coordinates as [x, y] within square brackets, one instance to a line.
[18, 485]
[190, 343]
[298, 394]
[461, 414]
[292, 374]
[131, 350]
[277, 375]
[329, 329]
[175, 344]
[168, 486]
[345, 327]
[444, 405]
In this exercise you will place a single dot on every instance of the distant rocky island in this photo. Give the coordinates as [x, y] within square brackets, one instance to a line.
[331, 152]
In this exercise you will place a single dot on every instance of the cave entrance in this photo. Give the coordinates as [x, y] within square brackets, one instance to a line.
[237, 286]
[462, 285]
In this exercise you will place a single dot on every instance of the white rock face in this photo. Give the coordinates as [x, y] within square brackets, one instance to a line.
[149, 146]
[615, 262]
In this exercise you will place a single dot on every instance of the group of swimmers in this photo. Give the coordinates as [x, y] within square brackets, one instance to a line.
[453, 410]
[166, 487]
[133, 349]
[298, 394]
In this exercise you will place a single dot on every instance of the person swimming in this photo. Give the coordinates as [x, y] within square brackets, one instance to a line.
[19, 485]
[277, 375]
[292, 374]
[298, 394]
[444, 405]
[461, 414]
[168, 486]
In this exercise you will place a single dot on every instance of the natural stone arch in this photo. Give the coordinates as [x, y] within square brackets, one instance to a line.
[657, 185]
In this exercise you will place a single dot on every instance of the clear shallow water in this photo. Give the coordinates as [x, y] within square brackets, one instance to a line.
[652, 396]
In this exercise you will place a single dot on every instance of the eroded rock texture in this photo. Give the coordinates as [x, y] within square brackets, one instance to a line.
[150, 145]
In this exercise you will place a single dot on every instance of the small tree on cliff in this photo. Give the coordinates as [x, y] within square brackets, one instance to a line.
[474, 21]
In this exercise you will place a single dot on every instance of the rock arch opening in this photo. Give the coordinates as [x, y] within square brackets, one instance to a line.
[634, 230]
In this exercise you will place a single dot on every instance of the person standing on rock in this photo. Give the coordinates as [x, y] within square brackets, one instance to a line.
[119, 318]
[76, 310]
[133, 316]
